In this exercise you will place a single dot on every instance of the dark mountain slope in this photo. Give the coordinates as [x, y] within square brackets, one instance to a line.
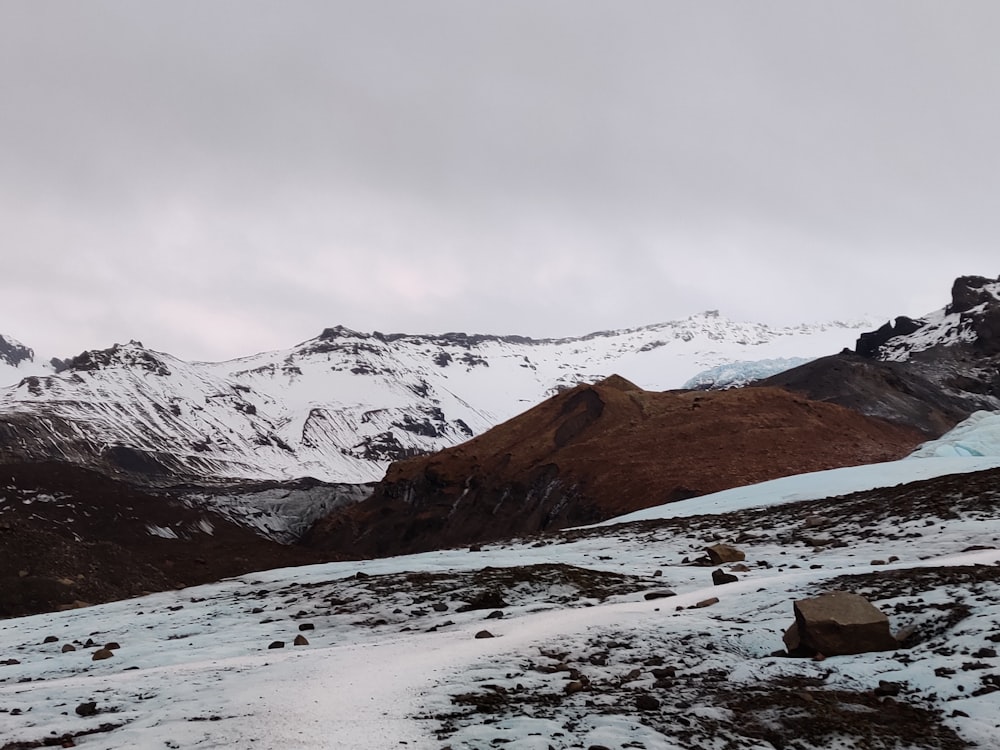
[70, 536]
[929, 373]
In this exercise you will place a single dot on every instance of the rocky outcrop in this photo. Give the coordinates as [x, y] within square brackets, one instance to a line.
[928, 373]
[14, 353]
[598, 451]
[836, 624]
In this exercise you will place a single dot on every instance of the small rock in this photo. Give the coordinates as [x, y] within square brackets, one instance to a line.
[300, 640]
[67, 647]
[663, 594]
[878, 562]
[739, 568]
[985, 653]
[277, 644]
[888, 688]
[646, 702]
[706, 603]
[359, 575]
[475, 548]
[306, 626]
[113, 646]
[87, 709]
[485, 634]
[439, 607]
[573, 687]
[657, 573]
[102, 653]
[50, 639]
[495, 615]
[811, 522]
[257, 611]
[721, 577]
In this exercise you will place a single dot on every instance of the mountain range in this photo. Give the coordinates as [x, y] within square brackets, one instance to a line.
[342, 406]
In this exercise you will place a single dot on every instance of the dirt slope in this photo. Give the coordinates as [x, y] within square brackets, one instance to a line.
[597, 451]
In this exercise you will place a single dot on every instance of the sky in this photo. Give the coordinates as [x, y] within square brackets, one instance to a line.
[223, 177]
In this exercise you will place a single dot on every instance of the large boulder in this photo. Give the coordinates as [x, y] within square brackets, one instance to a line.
[838, 623]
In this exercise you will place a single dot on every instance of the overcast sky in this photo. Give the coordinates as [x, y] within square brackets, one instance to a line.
[220, 177]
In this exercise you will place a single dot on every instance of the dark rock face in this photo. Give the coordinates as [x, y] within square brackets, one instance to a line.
[968, 292]
[837, 624]
[13, 353]
[869, 344]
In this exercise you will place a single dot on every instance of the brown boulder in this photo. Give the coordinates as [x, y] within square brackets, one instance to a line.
[720, 554]
[838, 623]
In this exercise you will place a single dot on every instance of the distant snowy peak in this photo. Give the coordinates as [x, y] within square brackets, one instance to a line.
[971, 319]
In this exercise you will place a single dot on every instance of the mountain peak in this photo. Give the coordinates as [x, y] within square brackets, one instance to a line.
[13, 352]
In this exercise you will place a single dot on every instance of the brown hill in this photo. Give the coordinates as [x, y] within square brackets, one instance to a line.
[598, 451]
[69, 535]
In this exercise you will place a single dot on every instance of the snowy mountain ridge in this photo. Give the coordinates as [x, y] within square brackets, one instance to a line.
[341, 406]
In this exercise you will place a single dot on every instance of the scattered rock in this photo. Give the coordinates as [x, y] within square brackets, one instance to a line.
[573, 687]
[277, 644]
[113, 646]
[102, 653]
[646, 702]
[739, 568]
[838, 623]
[50, 639]
[657, 573]
[720, 554]
[439, 607]
[67, 647]
[485, 634]
[300, 640]
[485, 600]
[495, 615]
[811, 522]
[706, 603]
[87, 709]
[663, 594]
[878, 562]
[306, 626]
[720, 577]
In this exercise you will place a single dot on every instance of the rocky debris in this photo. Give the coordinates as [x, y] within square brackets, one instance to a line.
[838, 623]
[102, 653]
[721, 577]
[560, 464]
[720, 554]
[87, 709]
[646, 702]
[485, 600]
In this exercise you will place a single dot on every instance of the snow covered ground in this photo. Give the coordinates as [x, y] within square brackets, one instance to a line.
[580, 657]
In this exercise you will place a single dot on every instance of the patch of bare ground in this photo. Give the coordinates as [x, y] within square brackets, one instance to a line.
[680, 688]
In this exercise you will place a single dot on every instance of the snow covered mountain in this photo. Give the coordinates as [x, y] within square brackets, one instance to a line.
[341, 406]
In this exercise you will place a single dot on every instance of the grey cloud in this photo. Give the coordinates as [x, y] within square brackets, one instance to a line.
[214, 174]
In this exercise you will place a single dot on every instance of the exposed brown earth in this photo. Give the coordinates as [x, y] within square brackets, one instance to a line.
[597, 451]
[70, 536]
